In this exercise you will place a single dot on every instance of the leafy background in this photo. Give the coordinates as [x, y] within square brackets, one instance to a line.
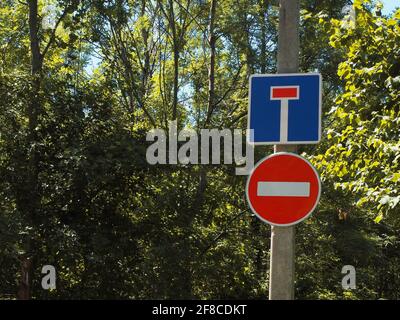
[81, 83]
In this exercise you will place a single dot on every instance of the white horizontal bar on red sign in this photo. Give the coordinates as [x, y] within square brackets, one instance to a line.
[283, 189]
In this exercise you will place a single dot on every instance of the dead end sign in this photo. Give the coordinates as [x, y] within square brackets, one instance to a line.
[285, 108]
[283, 189]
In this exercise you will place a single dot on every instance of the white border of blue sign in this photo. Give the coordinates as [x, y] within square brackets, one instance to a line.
[285, 75]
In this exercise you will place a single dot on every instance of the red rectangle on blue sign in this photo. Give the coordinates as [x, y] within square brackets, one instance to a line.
[285, 92]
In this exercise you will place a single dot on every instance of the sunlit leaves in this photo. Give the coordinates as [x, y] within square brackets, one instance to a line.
[364, 133]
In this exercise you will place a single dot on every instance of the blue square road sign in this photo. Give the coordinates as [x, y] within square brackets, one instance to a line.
[285, 108]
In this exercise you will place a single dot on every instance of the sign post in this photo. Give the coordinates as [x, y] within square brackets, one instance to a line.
[284, 111]
[281, 276]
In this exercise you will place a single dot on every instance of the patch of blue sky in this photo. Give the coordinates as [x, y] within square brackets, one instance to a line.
[389, 6]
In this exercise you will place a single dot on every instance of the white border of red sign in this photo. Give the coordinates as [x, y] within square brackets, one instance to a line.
[274, 155]
[286, 75]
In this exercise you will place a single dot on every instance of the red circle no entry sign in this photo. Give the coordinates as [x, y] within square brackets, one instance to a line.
[283, 189]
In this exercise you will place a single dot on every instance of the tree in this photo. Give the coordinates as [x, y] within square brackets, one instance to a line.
[76, 191]
[362, 156]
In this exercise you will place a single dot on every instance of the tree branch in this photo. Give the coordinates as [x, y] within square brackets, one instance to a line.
[53, 32]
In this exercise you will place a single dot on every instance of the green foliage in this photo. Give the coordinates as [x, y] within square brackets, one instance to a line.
[114, 226]
[363, 155]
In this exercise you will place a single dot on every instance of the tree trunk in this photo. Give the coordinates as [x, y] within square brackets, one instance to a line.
[24, 290]
[176, 48]
[29, 205]
[36, 56]
[211, 71]
[146, 65]
[263, 21]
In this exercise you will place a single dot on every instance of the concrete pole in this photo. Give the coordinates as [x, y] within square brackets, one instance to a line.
[281, 277]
